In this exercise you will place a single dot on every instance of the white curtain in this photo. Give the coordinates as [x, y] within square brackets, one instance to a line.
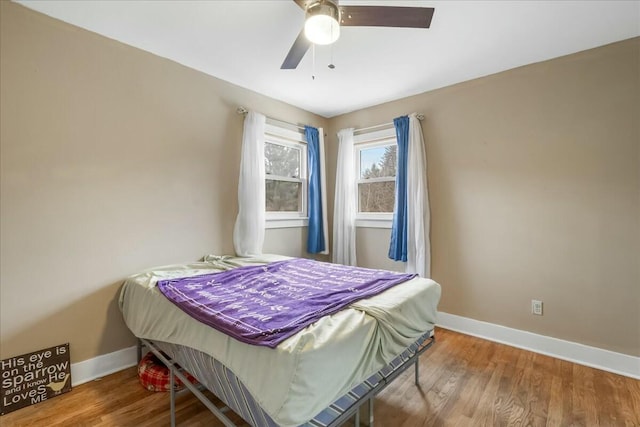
[323, 191]
[418, 215]
[248, 233]
[344, 213]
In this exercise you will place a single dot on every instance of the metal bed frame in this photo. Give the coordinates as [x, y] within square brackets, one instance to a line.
[354, 410]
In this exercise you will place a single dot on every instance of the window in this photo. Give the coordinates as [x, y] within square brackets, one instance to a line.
[285, 161]
[377, 178]
[283, 182]
[375, 156]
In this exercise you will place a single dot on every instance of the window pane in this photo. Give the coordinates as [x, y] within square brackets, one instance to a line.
[282, 161]
[378, 162]
[283, 196]
[376, 196]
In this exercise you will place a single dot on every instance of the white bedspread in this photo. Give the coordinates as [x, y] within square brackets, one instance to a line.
[309, 370]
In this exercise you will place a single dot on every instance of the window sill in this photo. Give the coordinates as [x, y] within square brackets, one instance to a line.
[374, 223]
[286, 222]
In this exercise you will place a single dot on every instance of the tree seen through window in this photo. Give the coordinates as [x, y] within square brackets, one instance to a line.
[378, 166]
[283, 182]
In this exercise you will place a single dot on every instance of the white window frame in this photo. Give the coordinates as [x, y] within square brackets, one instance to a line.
[365, 141]
[295, 139]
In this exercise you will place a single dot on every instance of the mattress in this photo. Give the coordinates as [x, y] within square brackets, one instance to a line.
[224, 384]
[308, 371]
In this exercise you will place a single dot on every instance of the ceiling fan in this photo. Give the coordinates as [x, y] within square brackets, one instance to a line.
[324, 18]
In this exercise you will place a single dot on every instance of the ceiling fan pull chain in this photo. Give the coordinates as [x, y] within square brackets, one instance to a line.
[313, 62]
[331, 66]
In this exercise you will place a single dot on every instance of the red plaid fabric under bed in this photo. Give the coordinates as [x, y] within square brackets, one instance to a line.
[154, 375]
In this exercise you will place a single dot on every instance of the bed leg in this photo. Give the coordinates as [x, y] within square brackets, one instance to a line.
[356, 423]
[417, 374]
[172, 397]
[139, 350]
[371, 411]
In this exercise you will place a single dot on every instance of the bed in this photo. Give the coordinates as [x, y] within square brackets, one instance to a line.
[318, 376]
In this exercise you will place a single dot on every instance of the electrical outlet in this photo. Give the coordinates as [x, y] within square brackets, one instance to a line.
[536, 307]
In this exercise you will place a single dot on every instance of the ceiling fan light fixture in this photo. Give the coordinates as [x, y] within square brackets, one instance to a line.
[322, 23]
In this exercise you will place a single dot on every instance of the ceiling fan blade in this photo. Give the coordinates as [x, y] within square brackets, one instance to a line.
[386, 16]
[302, 4]
[296, 53]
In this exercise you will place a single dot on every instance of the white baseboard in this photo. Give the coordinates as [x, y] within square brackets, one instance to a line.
[102, 365]
[594, 357]
[581, 354]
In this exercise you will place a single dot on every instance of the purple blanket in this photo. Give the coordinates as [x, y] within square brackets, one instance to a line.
[266, 304]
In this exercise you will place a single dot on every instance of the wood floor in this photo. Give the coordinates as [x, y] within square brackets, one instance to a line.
[465, 381]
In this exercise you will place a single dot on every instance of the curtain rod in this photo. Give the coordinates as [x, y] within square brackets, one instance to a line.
[385, 125]
[243, 111]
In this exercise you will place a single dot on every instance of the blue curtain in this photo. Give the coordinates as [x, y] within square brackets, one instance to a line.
[398, 244]
[315, 238]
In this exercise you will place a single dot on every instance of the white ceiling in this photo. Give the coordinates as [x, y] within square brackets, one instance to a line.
[245, 41]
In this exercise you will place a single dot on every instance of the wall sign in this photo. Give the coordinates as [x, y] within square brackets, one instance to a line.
[34, 377]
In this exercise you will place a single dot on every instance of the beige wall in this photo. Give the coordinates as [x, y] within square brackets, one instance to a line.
[534, 180]
[112, 160]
